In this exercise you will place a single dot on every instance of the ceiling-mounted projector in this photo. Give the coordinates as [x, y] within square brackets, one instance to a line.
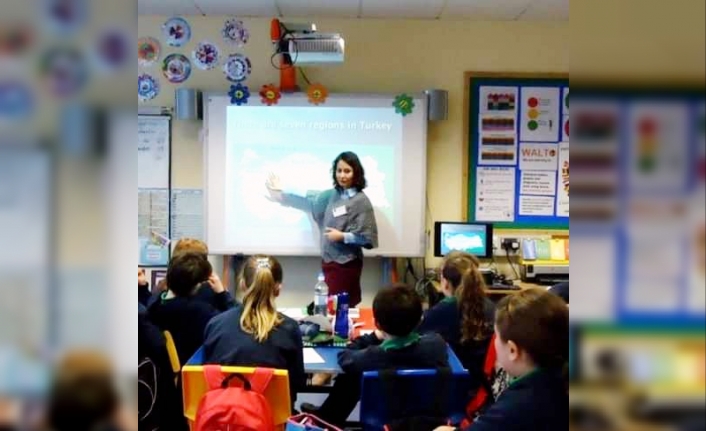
[316, 48]
[302, 45]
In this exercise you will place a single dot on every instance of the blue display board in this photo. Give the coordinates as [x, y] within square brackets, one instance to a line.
[518, 147]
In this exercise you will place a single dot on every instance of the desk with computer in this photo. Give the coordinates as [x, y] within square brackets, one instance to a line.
[542, 260]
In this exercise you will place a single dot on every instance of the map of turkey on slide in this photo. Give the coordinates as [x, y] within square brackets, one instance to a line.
[463, 242]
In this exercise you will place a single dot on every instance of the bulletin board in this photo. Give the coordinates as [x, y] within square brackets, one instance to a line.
[517, 128]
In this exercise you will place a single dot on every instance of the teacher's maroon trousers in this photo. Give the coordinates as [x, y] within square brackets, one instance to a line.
[344, 278]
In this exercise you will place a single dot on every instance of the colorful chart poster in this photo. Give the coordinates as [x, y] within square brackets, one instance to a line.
[542, 183]
[539, 119]
[539, 157]
[659, 147]
[536, 205]
[495, 194]
[562, 200]
[498, 100]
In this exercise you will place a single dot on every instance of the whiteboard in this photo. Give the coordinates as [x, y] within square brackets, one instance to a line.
[299, 141]
[153, 149]
[153, 184]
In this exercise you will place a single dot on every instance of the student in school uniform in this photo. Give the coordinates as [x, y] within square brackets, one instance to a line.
[394, 345]
[532, 343]
[464, 318]
[204, 291]
[180, 311]
[255, 334]
[143, 288]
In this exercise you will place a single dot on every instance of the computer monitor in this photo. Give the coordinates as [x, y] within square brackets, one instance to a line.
[473, 238]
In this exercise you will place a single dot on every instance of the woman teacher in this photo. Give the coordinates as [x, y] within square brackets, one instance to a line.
[346, 219]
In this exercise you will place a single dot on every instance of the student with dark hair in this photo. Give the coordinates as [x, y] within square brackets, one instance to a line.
[346, 220]
[179, 311]
[532, 344]
[394, 345]
[464, 318]
[256, 335]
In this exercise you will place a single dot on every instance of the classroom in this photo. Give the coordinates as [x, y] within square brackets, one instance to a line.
[402, 282]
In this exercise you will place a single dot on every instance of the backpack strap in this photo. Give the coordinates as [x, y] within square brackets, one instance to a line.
[214, 376]
[485, 391]
[261, 378]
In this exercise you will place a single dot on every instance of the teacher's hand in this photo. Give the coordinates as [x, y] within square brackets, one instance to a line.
[333, 235]
[274, 187]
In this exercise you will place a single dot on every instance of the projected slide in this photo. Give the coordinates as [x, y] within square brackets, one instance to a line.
[299, 144]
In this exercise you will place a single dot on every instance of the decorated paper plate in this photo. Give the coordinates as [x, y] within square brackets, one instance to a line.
[235, 33]
[177, 31]
[148, 51]
[147, 87]
[206, 55]
[176, 68]
[64, 71]
[65, 16]
[237, 68]
[112, 49]
[15, 40]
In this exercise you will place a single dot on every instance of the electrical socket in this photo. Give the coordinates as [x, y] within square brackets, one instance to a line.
[510, 245]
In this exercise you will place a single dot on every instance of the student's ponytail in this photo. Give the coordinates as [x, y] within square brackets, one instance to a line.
[261, 275]
[461, 270]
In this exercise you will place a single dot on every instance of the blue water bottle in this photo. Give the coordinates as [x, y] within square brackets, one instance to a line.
[341, 327]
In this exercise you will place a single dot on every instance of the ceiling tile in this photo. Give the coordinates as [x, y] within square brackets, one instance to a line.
[319, 8]
[167, 7]
[484, 10]
[260, 8]
[429, 9]
[547, 10]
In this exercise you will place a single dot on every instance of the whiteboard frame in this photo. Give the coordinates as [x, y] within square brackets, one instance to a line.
[208, 98]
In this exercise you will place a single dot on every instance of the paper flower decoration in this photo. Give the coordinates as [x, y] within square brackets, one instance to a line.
[403, 104]
[239, 94]
[317, 94]
[270, 94]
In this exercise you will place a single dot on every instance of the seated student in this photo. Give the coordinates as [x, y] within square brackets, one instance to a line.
[394, 345]
[143, 288]
[255, 334]
[204, 291]
[464, 319]
[532, 343]
[179, 311]
[160, 405]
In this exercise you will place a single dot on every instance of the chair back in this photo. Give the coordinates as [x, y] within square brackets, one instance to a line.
[194, 386]
[390, 395]
[173, 355]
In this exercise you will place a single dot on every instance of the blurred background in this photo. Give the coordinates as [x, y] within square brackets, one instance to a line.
[68, 204]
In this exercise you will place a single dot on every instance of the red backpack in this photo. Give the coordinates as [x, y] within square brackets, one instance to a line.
[236, 408]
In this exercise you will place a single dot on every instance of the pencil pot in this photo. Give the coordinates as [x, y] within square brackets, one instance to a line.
[307, 422]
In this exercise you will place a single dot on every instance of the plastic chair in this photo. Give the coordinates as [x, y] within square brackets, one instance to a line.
[173, 355]
[389, 395]
[194, 386]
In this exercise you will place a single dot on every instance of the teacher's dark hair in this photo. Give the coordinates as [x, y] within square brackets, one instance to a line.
[351, 159]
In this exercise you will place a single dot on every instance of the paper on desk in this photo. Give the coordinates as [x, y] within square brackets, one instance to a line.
[294, 313]
[311, 357]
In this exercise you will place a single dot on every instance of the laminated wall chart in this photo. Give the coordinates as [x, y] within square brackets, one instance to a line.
[519, 152]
